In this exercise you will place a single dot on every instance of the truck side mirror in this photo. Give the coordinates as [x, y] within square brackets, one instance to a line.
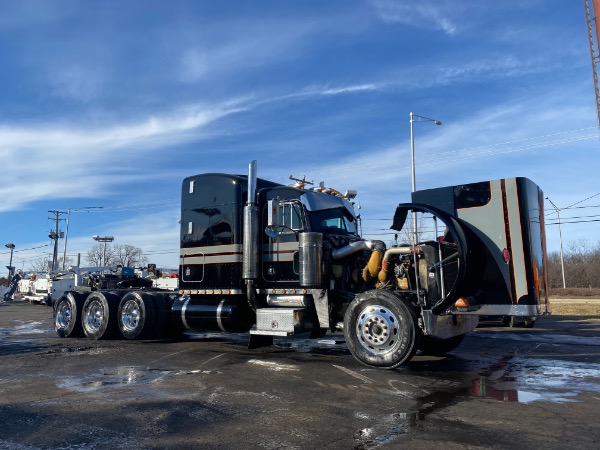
[274, 217]
[273, 227]
[283, 217]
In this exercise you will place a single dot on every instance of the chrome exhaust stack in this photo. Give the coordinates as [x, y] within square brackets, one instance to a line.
[250, 236]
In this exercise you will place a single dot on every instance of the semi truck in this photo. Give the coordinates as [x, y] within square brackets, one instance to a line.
[272, 261]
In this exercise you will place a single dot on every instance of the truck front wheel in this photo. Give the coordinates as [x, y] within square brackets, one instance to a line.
[381, 329]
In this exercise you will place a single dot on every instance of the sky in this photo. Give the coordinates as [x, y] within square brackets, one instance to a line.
[105, 106]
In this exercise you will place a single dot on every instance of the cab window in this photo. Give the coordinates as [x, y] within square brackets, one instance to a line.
[289, 215]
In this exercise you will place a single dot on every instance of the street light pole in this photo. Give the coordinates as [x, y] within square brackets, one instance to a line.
[562, 263]
[10, 267]
[104, 239]
[414, 184]
[412, 143]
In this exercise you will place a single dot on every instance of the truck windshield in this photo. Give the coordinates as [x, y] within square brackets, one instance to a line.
[332, 221]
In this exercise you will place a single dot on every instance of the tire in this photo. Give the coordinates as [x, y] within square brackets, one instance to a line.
[381, 329]
[439, 347]
[67, 314]
[99, 314]
[136, 316]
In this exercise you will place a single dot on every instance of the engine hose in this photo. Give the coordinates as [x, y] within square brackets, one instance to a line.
[371, 270]
[385, 264]
[468, 252]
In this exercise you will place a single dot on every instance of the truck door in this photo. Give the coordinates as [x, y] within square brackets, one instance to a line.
[280, 251]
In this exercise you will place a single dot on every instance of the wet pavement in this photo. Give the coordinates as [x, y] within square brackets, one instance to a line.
[502, 388]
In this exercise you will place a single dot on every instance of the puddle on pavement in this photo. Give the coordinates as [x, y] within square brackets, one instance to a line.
[510, 379]
[28, 328]
[537, 338]
[24, 328]
[116, 378]
[527, 380]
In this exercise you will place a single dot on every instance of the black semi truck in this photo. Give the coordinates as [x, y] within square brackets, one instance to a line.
[276, 260]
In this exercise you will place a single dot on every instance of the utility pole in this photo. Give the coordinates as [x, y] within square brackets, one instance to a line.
[593, 29]
[562, 262]
[55, 235]
[83, 208]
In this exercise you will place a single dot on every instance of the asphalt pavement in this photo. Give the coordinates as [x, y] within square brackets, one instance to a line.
[502, 388]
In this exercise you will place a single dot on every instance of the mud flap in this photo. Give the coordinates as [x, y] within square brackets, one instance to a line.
[259, 340]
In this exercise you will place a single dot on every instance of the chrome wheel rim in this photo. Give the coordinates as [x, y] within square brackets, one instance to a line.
[94, 316]
[130, 315]
[378, 329]
[63, 316]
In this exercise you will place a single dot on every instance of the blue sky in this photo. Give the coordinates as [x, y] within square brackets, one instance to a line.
[113, 103]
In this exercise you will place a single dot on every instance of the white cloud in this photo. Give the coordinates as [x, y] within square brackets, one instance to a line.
[429, 15]
[251, 46]
[367, 87]
[156, 233]
[57, 159]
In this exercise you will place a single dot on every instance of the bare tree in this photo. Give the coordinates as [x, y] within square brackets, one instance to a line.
[406, 234]
[554, 270]
[41, 265]
[129, 256]
[125, 255]
[101, 255]
[44, 264]
[576, 263]
[581, 263]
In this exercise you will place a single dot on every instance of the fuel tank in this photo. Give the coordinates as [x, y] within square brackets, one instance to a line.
[212, 313]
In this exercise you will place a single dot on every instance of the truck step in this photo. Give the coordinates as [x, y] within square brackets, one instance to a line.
[281, 321]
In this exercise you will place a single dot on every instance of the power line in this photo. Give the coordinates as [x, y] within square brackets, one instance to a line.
[442, 158]
[581, 207]
[576, 203]
[580, 217]
[144, 205]
[576, 221]
[25, 249]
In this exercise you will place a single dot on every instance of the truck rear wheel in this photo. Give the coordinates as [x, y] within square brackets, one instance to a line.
[136, 316]
[381, 329]
[67, 314]
[98, 315]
